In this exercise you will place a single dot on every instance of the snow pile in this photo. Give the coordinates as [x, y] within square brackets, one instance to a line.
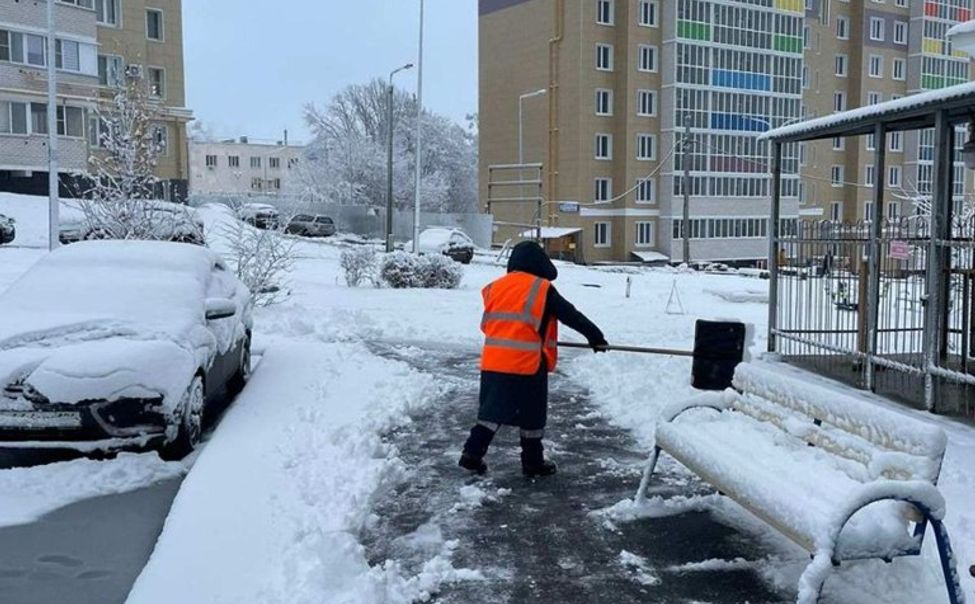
[642, 572]
[26, 494]
[287, 482]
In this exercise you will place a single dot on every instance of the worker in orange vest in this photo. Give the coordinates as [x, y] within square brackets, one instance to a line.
[522, 311]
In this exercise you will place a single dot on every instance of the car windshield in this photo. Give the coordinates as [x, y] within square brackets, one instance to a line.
[323, 220]
[301, 218]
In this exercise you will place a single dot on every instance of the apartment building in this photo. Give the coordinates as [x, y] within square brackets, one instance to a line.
[242, 167]
[626, 80]
[866, 52]
[99, 43]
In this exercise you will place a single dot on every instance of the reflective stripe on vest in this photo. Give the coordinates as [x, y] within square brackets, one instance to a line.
[514, 310]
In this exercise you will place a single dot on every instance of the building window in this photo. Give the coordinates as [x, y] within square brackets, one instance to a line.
[871, 142]
[67, 55]
[160, 136]
[13, 118]
[107, 12]
[839, 101]
[603, 234]
[257, 184]
[111, 70]
[876, 66]
[836, 211]
[873, 98]
[157, 82]
[893, 210]
[604, 101]
[896, 142]
[899, 69]
[604, 12]
[255, 162]
[841, 69]
[868, 211]
[604, 146]
[894, 176]
[645, 190]
[836, 176]
[646, 147]
[233, 161]
[604, 190]
[648, 58]
[25, 49]
[274, 163]
[646, 103]
[900, 32]
[71, 122]
[842, 28]
[648, 13]
[645, 235]
[877, 25]
[211, 161]
[839, 143]
[154, 24]
[869, 175]
[604, 57]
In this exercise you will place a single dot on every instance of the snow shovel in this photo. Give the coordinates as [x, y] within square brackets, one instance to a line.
[719, 347]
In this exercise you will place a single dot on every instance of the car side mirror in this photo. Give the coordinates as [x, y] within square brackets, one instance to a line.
[220, 308]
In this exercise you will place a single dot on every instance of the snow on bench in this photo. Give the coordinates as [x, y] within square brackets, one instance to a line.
[840, 476]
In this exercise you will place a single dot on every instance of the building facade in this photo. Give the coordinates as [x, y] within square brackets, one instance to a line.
[242, 167]
[99, 42]
[629, 81]
[863, 53]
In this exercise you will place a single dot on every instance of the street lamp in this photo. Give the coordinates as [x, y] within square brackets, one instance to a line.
[53, 211]
[521, 127]
[419, 140]
[389, 159]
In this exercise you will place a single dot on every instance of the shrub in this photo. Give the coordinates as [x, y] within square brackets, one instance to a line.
[441, 272]
[401, 270]
[359, 265]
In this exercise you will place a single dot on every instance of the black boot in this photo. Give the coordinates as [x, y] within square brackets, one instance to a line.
[476, 448]
[533, 464]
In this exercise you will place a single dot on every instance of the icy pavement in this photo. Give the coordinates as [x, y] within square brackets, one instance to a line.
[543, 540]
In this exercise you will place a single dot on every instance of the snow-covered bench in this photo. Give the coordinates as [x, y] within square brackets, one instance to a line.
[842, 477]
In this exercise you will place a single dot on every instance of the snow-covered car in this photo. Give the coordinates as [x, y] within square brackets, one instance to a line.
[8, 230]
[155, 220]
[260, 215]
[308, 225]
[121, 345]
[450, 242]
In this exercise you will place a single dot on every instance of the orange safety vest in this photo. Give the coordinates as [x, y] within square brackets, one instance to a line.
[514, 306]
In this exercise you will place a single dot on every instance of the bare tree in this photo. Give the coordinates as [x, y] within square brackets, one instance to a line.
[261, 258]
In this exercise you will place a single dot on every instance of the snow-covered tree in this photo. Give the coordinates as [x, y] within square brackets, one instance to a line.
[346, 160]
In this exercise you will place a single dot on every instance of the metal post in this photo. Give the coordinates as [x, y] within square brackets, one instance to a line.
[687, 191]
[943, 141]
[419, 140]
[873, 262]
[389, 167]
[773, 261]
[54, 227]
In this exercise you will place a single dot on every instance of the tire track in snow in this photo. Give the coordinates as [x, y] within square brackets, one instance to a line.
[537, 540]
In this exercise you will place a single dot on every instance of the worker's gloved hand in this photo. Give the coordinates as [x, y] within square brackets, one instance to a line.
[598, 344]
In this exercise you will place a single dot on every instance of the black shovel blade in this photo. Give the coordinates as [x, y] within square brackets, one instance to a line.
[719, 347]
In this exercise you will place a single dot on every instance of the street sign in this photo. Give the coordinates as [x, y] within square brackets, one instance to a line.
[900, 250]
[569, 207]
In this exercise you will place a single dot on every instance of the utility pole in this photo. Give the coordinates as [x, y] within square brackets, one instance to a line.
[686, 223]
[389, 157]
[54, 226]
[419, 140]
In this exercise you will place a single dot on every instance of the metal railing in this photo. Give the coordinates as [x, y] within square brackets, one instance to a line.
[881, 324]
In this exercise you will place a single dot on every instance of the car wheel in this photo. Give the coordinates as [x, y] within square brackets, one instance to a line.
[243, 374]
[189, 430]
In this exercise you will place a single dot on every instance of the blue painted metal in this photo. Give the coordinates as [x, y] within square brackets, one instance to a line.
[742, 80]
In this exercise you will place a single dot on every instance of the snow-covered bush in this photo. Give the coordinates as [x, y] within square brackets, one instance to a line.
[440, 272]
[261, 258]
[359, 265]
[401, 270]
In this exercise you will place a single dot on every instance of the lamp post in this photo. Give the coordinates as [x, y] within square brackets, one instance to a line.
[54, 226]
[389, 158]
[419, 139]
[521, 123]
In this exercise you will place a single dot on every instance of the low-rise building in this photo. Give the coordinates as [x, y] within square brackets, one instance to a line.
[242, 167]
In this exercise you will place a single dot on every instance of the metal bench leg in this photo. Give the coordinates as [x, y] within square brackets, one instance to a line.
[641, 493]
[952, 581]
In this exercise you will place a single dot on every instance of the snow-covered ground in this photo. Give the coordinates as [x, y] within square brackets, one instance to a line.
[271, 509]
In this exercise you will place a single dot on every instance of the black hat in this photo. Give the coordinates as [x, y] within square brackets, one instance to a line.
[529, 257]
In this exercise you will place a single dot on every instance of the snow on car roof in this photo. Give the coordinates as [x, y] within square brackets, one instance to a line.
[144, 282]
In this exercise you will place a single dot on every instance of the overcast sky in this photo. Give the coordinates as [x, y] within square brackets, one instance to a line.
[252, 66]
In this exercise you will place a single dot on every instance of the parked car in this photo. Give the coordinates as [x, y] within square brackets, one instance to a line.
[121, 345]
[308, 225]
[160, 220]
[450, 242]
[8, 230]
[261, 215]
